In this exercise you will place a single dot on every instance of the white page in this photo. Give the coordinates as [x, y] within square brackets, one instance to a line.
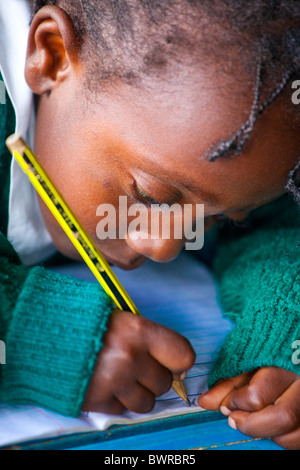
[180, 295]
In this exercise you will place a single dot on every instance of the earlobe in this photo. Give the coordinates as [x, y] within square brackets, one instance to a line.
[52, 49]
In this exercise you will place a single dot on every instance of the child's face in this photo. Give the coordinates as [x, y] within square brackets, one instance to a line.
[157, 137]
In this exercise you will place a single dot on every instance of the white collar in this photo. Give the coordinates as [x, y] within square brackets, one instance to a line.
[26, 228]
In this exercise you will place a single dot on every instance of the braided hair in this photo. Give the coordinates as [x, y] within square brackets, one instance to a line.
[130, 39]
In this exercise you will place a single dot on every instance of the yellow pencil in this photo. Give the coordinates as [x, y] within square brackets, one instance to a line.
[76, 233]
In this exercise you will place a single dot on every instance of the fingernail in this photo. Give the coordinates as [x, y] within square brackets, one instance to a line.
[232, 423]
[225, 411]
[183, 375]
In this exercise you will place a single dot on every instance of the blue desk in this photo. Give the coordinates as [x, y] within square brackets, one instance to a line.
[200, 431]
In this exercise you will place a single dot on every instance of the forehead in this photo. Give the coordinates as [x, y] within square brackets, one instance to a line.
[166, 128]
[185, 114]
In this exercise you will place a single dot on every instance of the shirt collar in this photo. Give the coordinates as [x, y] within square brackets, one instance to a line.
[26, 228]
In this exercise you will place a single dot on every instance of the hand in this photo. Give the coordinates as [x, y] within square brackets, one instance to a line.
[137, 363]
[263, 404]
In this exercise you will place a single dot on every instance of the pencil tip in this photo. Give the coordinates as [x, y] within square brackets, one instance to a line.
[179, 388]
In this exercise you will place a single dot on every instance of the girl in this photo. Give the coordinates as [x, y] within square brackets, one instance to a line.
[181, 101]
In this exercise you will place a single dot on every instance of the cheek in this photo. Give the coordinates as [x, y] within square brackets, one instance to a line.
[84, 204]
[83, 194]
[85, 199]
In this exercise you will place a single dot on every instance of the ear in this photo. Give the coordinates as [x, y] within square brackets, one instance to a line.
[53, 49]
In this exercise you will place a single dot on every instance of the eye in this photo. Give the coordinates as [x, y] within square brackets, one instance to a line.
[227, 221]
[144, 197]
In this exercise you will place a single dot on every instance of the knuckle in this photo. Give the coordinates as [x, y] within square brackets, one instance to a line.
[255, 398]
[189, 357]
[289, 417]
[148, 405]
[125, 324]
[113, 408]
[144, 405]
[137, 326]
[127, 355]
[165, 383]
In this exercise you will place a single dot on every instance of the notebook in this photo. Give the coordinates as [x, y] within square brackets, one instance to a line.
[181, 295]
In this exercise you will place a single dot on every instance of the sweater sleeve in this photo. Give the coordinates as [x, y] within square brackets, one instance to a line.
[259, 286]
[53, 327]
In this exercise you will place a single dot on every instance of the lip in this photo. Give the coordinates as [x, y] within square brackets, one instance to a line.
[130, 266]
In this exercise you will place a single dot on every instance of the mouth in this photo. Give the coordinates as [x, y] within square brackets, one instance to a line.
[127, 266]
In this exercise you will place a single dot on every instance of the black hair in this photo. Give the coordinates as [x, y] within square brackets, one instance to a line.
[130, 39]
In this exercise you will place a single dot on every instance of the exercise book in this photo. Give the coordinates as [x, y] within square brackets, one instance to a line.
[180, 295]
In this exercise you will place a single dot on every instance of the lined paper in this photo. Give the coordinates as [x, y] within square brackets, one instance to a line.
[180, 295]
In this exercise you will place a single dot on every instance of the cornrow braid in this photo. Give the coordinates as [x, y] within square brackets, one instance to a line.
[237, 143]
[293, 183]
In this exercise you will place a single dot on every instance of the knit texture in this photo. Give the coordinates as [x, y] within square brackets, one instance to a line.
[53, 325]
[258, 271]
[53, 337]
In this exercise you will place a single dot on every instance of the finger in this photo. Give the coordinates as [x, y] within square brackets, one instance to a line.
[170, 349]
[212, 400]
[137, 399]
[155, 378]
[290, 441]
[275, 420]
[258, 393]
[181, 376]
[111, 406]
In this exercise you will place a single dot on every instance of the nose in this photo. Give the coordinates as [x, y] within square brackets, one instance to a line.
[159, 250]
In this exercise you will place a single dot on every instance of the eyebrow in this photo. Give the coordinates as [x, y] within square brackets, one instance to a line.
[206, 196]
[164, 178]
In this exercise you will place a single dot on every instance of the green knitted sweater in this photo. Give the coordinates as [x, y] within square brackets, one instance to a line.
[53, 338]
[259, 277]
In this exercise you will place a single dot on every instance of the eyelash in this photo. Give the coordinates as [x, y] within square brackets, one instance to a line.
[144, 197]
[226, 221]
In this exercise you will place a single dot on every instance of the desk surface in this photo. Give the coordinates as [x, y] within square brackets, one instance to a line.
[199, 431]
